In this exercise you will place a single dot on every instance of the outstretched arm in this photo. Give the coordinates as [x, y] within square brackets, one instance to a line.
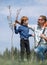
[30, 27]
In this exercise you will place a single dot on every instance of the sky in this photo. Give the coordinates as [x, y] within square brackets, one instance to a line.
[30, 8]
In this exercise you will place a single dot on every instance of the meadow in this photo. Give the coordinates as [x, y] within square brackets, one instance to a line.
[16, 62]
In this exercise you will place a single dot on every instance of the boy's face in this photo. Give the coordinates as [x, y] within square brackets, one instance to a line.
[25, 22]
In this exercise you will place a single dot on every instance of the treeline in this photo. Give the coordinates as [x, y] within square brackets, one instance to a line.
[9, 54]
[15, 54]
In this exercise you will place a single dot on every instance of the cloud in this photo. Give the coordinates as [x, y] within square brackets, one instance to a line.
[35, 8]
[28, 11]
[23, 2]
[17, 2]
[41, 2]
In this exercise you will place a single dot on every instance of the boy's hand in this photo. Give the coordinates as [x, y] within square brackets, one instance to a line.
[14, 24]
[16, 21]
[33, 35]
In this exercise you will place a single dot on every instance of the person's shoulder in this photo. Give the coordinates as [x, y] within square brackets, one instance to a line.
[21, 27]
[31, 26]
[46, 28]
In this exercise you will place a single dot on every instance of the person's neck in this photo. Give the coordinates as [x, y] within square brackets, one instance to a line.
[42, 25]
[25, 25]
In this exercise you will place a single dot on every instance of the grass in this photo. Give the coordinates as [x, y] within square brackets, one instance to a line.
[16, 62]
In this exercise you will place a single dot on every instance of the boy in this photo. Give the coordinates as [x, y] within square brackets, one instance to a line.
[23, 30]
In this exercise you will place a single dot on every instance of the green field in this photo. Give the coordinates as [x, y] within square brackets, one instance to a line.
[8, 59]
[16, 62]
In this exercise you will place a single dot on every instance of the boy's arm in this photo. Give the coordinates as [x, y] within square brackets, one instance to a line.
[16, 21]
[31, 35]
[17, 30]
[29, 26]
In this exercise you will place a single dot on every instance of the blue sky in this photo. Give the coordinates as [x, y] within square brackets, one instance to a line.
[31, 8]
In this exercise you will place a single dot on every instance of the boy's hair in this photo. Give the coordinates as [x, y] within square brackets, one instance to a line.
[43, 17]
[24, 18]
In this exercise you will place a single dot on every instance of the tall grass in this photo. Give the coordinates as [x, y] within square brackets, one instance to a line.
[16, 62]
